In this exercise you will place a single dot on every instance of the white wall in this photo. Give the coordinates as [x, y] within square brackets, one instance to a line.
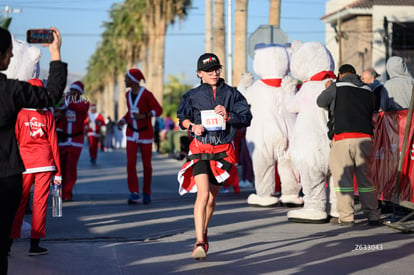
[393, 14]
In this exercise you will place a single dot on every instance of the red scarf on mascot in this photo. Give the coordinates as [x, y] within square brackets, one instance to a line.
[322, 76]
[274, 82]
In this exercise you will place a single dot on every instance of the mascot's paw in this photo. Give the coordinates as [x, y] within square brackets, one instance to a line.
[291, 200]
[246, 80]
[256, 200]
[306, 215]
[289, 84]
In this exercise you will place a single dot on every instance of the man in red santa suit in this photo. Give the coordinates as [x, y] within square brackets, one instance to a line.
[142, 106]
[94, 121]
[38, 145]
[70, 118]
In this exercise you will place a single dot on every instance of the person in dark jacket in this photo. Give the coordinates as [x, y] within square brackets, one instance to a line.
[213, 112]
[397, 91]
[15, 95]
[369, 77]
[352, 104]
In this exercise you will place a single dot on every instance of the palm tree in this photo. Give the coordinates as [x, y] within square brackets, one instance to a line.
[135, 34]
[160, 13]
[121, 42]
[219, 33]
[274, 13]
[240, 41]
[209, 25]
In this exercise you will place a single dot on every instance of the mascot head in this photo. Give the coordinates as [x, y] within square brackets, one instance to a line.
[309, 59]
[24, 64]
[270, 61]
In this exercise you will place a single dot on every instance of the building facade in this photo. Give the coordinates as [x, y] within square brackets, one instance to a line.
[365, 33]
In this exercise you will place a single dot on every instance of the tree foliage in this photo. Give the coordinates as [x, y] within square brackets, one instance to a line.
[135, 34]
[173, 91]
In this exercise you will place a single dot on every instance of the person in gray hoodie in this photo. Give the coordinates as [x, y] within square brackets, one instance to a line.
[397, 91]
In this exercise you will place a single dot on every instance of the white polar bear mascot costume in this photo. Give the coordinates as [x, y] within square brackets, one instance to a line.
[267, 136]
[309, 147]
[24, 65]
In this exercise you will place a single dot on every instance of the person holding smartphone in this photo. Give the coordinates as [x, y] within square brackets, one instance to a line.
[15, 95]
[37, 138]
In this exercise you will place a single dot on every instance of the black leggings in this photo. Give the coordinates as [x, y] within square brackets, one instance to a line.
[203, 167]
[11, 189]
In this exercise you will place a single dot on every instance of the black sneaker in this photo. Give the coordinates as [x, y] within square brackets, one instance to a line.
[37, 251]
[146, 198]
[374, 223]
[10, 245]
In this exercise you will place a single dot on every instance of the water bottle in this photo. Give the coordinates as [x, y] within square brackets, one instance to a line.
[56, 200]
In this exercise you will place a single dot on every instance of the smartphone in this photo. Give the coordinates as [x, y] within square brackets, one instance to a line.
[39, 36]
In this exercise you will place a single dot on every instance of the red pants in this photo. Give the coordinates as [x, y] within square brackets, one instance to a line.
[146, 155]
[41, 192]
[69, 157]
[93, 146]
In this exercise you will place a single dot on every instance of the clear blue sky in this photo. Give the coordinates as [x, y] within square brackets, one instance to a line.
[81, 25]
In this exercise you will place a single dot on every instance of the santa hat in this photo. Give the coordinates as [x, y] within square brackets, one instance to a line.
[36, 82]
[135, 75]
[78, 86]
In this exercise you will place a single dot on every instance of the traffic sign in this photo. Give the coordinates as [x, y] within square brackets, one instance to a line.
[266, 34]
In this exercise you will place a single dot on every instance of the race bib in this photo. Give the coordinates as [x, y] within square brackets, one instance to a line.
[70, 116]
[212, 121]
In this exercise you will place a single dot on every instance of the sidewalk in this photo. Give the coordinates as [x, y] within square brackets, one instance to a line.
[100, 234]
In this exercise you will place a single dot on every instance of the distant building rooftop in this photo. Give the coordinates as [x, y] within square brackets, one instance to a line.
[360, 7]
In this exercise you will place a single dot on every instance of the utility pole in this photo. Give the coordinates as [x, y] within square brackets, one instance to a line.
[386, 40]
[229, 70]
[339, 34]
[274, 13]
[209, 26]
[7, 10]
[6, 22]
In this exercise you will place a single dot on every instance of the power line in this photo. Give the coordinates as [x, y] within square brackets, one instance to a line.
[64, 8]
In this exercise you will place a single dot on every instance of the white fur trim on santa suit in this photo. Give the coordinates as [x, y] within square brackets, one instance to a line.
[133, 78]
[77, 87]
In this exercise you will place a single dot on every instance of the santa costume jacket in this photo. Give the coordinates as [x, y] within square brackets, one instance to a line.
[94, 122]
[141, 131]
[70, 128]
[36, 134]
